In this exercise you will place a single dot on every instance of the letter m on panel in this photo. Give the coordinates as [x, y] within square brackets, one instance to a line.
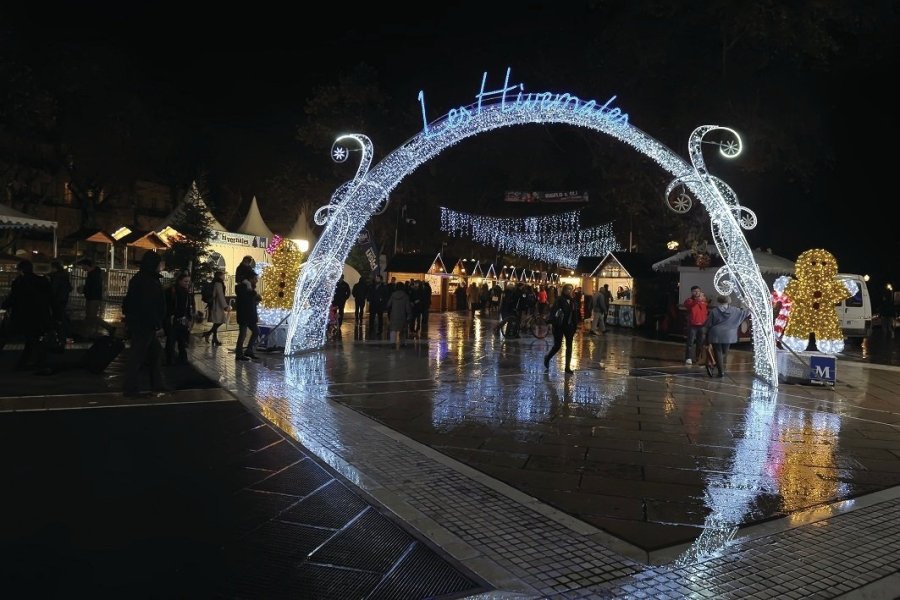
[822, 368]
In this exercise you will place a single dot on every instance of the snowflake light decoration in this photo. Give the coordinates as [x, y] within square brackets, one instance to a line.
[353, 203]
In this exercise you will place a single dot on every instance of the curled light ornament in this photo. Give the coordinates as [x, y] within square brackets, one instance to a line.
[728, 218]
[354, 203]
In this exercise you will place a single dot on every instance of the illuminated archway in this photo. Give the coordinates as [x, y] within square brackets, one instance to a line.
[354, 202]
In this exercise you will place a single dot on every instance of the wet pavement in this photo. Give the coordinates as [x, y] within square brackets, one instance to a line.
[454, 465]
[192, 497]
[553, 485]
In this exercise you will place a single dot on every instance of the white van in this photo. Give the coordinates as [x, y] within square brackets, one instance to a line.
[855, 312]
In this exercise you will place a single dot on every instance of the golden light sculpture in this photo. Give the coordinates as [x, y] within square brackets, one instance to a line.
[814, 291]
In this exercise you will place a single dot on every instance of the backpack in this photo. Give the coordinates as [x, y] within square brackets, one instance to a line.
[206, 292]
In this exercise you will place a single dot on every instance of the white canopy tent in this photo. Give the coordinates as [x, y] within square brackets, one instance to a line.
[11, 218]
[769, 264]
[253, 223]
[301, 231]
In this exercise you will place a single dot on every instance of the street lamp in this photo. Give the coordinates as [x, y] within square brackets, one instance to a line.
[673, 245]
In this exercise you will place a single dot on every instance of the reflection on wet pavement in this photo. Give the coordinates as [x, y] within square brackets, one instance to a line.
[634, 442]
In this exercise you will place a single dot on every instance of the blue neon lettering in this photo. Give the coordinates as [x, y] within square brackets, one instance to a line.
[530, 101]
[501, 93]
[422, 103]
[506, 88]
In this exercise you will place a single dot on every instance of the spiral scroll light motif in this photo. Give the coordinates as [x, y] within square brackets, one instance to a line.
[728, 218]
[355, 202]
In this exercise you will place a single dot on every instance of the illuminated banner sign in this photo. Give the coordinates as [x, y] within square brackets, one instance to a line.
[238, 239]
[370, 250]
[546, 197]
[515, 98]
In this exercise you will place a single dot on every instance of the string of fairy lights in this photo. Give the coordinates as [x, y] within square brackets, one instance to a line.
[557, 239]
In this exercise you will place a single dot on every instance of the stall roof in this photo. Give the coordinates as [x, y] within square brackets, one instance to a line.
[587, 264]
[11, 218]
[253, 223]
[770, 264]
[143, 239]
[90, 234]
[634, 263]
[414, 263]
[302, 231]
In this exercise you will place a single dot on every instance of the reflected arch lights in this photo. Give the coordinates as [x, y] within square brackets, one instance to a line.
[355, 201]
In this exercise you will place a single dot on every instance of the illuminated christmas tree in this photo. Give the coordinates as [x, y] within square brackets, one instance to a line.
[279, 279]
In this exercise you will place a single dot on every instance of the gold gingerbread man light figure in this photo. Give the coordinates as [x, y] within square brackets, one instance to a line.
[814, 291]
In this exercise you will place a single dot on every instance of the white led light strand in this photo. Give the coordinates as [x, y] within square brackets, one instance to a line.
[556, 239]
[354, 202]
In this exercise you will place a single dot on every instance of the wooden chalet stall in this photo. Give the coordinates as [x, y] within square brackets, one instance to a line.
[630, 279]
[422, 267]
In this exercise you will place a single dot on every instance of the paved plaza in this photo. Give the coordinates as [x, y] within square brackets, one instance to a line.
[636, 476]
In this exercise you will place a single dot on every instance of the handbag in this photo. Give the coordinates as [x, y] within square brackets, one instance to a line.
[558, 317]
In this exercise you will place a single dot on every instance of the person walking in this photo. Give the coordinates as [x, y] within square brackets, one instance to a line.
[30, 312]
[473, 295]
[564, 316]
[697, 312]
[218, 306]
[247, 318]
[723, 322]
[180, 311]
[93, 298]
[399, 312]
[888, 312]
[60, 287]
[360, 292]
[144, 310]
[341, 294]
[377, 300]
[601, 308]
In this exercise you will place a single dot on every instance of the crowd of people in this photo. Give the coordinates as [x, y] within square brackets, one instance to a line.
[37, 311]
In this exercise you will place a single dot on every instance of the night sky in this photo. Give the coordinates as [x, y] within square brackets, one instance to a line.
[250, 72]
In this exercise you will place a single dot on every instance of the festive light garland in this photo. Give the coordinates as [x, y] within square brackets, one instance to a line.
[354, 202]
[557, 239]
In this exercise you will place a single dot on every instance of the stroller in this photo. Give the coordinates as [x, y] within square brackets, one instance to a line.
[333, 329]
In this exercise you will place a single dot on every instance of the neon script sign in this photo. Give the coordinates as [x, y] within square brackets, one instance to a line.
[514, 98]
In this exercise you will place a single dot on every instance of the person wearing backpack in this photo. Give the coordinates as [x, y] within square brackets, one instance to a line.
[564, 316]
[213, 294]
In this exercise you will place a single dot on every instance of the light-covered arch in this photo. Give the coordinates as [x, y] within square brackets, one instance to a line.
[354, 202]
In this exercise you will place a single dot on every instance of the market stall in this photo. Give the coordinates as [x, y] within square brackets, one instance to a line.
[625, 273]
[421, 267]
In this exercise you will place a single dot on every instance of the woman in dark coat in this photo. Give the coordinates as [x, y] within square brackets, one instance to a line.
[180, 309]
[564, 316]
[30, 313]
[247, 317]
[399, 311]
